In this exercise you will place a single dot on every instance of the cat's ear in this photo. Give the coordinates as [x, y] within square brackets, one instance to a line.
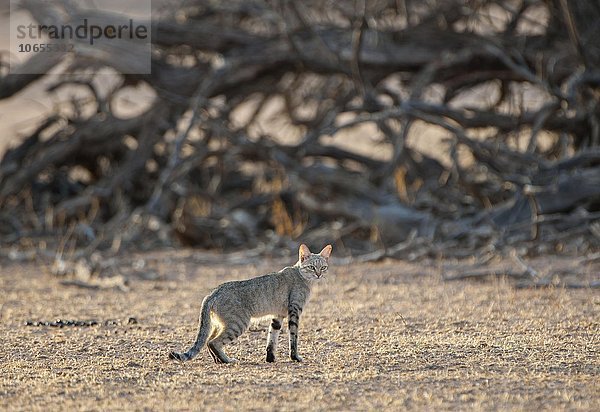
[303, 252]
[326, 252]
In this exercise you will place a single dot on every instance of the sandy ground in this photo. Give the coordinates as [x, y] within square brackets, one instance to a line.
[388, 336]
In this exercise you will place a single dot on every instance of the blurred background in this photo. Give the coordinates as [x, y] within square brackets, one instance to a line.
[390, 128]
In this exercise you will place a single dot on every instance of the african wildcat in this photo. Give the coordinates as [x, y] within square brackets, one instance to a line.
[227, 311]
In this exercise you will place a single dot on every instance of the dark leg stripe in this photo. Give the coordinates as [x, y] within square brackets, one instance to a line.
[292, 323]
[239, 328]
[293, 306]
[276, 324]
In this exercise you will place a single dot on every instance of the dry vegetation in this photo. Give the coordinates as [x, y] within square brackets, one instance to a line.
[375, 336]
[269, 123]
[237, 144]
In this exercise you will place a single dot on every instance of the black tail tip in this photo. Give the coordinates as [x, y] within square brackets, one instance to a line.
[177, 356]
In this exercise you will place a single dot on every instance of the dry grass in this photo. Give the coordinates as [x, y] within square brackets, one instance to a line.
[375, 336]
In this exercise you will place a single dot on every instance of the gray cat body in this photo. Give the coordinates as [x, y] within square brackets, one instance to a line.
[228, 311]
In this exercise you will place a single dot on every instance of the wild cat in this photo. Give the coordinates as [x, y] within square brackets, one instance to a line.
[226, 313]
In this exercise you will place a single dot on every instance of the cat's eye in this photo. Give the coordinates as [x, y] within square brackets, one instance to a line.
[323, 268]
[311, 267]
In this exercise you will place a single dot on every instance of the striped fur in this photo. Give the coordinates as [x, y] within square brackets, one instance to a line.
[227, 312]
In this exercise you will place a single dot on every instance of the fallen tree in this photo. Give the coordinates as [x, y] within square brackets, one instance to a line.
[187, 170]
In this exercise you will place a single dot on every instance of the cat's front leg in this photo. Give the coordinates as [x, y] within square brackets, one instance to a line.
[294, 312]
[272, 337]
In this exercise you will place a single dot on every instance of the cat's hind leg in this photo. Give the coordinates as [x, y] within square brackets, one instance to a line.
[216, 351]
[230, 332]
[213, 334]
[272, 337]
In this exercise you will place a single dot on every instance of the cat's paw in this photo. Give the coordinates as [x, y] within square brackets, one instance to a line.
[225, 361]
[296, 357]
[270, 357]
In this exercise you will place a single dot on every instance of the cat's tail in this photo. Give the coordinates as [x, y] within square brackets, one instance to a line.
[203, 332]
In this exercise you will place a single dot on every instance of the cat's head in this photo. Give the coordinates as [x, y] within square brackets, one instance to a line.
[313, 265]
